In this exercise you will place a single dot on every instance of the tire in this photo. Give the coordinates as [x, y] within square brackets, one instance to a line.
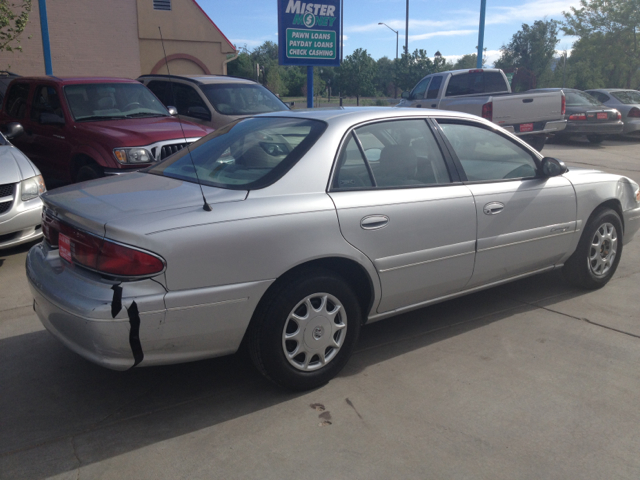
[536, 141]
[89, 171]
[597, 139]
[303, 335]
[598, 253]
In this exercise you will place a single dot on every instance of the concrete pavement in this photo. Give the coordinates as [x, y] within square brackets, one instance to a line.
[529, 380]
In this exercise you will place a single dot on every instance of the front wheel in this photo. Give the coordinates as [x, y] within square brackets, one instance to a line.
[598, 253]
[595, 139]
[305, 333]
[89, 171]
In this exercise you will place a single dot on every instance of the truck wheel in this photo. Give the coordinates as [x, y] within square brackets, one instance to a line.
[595, 138]
[536, 141]
[303, 336]
[90, 171]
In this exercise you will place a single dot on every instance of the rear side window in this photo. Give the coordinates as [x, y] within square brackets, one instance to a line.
[244, 155]
[476, 82]
[16, 105]
[434, 87]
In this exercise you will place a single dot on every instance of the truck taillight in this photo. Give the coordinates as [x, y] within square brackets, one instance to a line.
[634, 112]
[578, 116]
[477, 70]
[563, 104]
[487, 111]
[98, 254]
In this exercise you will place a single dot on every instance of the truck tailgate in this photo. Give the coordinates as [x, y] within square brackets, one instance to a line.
[527, 108]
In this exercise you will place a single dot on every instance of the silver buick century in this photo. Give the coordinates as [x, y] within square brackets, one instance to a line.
[289, 231]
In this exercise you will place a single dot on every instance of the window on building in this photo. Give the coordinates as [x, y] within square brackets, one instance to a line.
[162, 4]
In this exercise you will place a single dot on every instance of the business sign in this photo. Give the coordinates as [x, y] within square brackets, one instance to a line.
[309, 33]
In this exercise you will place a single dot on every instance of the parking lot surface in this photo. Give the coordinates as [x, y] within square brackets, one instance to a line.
[529, 380]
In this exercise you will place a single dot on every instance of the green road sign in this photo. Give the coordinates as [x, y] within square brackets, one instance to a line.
[311, 44]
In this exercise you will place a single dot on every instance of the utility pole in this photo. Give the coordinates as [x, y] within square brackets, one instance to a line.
[46, 46]
[483, 7]
[406, 31]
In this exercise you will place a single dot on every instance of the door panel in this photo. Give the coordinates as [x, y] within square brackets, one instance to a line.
[532, 231]
[425, 250]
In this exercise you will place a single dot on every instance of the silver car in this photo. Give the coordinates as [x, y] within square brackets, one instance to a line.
[290, 231]
[627, 102]
[20, 188]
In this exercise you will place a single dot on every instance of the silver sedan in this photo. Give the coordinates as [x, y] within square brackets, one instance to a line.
[627, 102]
[289, 231]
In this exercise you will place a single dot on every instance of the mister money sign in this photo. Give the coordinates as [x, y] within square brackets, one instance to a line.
[309, 33]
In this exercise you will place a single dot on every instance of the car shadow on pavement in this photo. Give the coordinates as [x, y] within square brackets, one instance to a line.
[60, 411]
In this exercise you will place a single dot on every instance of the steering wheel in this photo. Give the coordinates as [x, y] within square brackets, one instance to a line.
[132, 104]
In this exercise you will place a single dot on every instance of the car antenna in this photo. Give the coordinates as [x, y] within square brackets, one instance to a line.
[206, 206]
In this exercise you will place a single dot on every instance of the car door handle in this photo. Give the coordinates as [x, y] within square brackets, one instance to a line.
[373, 222]
[527, 100]
[493, 208]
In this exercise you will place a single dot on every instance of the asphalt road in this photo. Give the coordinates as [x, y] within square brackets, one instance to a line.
[532, 380]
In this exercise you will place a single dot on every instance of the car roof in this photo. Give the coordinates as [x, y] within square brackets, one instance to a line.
[202, 79]
[611, 90]
[77, 80]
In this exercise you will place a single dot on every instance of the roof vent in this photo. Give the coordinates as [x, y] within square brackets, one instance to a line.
[162, 5]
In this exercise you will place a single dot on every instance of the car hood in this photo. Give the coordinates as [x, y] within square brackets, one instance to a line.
[93, 204]
[137, 132]
[14, 166]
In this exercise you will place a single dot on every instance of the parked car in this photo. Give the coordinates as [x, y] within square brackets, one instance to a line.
[587, 116]
[78, 129]
[21, 186]
[213, 100]
[486, 92]
[296, 228]
[627, 102]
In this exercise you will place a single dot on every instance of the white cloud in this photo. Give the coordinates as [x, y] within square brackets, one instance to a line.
[447, 33]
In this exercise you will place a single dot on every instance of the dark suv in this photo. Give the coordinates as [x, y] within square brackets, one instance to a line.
[77, 129]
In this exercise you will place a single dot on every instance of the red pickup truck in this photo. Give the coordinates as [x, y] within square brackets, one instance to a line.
[76, 129]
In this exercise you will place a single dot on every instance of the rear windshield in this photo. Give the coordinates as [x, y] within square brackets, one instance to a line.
[243, 155]
[628, 97]
[242, 99]
[110, 101]
[476, 83]
[580, 99]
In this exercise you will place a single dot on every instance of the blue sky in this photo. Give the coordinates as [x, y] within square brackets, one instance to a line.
[448, 26]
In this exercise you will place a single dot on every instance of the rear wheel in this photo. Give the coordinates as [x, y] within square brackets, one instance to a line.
[305, 333]
[89, 171]
[598, 253]
[595, 138]
[536, 141]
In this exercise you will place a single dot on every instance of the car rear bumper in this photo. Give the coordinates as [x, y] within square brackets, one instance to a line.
[21, 223]
[631, 125]
[547, 128]
[582, 128]
[88, 315]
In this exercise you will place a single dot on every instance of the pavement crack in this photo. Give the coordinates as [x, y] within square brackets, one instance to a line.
[75, 454]
[586, 320]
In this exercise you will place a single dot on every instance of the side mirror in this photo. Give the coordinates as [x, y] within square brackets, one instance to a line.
[552, 167]
[406, 95]
[13, 130]
[51, 119]
[173, 111]
[199, 112]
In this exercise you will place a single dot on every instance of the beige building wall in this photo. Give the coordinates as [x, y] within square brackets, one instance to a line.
[88, 38]
[193, 43]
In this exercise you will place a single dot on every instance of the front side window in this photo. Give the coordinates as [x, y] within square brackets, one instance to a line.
[418, 91]
[46, 100]
[401, 153]
[485, 155]
[243, 155]
[16, 105]
[188, 101]
[242, 99]
[110, 101]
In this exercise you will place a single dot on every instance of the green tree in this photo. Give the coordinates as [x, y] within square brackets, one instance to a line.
[532, 48]
[242, 67]
[469, 61]
[385, 80]
[413, 67]
[14, 16]
[275, 81]
[610, 27]
[357, 75]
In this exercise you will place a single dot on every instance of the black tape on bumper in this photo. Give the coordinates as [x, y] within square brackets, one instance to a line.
[116, 303]
[134, 334]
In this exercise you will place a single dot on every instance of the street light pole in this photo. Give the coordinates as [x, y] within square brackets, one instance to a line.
[406, 32]
[395, 83]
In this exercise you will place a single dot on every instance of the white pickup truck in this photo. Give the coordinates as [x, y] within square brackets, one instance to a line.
[486, 92]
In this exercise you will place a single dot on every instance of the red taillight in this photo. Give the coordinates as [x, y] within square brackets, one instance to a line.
[563, 105]
[101, 255]
[578, 116]
[619, 116]
[634, 112]
[487, 111]
[477, 70]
